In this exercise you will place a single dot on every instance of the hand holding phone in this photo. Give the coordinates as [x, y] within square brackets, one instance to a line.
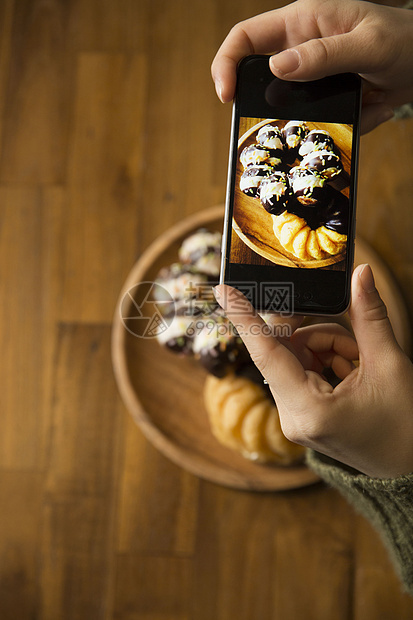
[351, 422]
[314, 38]
[290, 210]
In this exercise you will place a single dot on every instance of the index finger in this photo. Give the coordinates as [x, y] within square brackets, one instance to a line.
[279, 366]
[263, 34]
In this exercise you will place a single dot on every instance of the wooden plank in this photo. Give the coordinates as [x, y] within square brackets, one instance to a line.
[234, 560]
[6, 20]
[152, 587]
[105, 169]
[113, 102]
[254, 560]
[20, 496]
[378, 591]
[316, 554]
[85, 413]
[37, 105]
[180, 148]
[75, 558]
[102, 25]
[29, 282]
[79, 511]
[153, 492]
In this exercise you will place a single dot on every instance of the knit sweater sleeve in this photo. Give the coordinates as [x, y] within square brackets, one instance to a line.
[386, 503]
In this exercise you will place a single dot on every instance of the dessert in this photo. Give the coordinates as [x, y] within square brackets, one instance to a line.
[296, 236]
[294, 133]
[308, 184]
[202, 250]
[252, 177]
[274, 192]
[244, 418]
[326, 162]
[177, 336]
[218, 347]
[310, 219]
[316, 140]
[257, 154]
[336, 215]
[184, 284]
[271, 138]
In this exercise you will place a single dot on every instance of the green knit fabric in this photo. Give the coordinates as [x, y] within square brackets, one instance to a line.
[386, 503]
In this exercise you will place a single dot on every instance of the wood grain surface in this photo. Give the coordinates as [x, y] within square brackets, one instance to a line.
[110, 132]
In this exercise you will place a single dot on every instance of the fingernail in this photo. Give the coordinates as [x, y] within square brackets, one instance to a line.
[286, 62]
[218, 88]
[367, 279]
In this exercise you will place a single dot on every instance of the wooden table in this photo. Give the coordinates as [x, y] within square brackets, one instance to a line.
[111, 132]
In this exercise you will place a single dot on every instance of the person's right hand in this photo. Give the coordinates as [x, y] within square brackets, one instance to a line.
[367, 420]
[310, 39]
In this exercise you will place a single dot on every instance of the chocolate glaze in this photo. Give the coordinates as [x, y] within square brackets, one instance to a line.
[212, 246]
[274, 192]
[316, 140]
[271, 138]
[185, 284]
[312, 215]
[180, 344]
[217, 345]
[254, 155]
[249, 371]
[294, 133]
[220, 360]
[252, 177]
[307, 184]
[332, 211]
[326, 162]
[336, 213]
[200, 252]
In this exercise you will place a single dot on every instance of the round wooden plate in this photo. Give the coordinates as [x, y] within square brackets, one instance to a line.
[164, 393]
[254, 225]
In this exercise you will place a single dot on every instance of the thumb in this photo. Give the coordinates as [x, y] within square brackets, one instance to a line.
[322, 56]
[368, 314]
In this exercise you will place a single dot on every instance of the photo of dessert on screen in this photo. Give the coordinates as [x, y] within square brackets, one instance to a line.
[291, 203]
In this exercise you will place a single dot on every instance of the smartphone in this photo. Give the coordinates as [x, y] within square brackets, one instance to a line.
[288, 241]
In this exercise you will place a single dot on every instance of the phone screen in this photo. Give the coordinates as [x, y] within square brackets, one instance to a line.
[290, 212]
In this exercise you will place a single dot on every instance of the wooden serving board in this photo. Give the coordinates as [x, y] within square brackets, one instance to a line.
[251, 221]
[164, 392]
